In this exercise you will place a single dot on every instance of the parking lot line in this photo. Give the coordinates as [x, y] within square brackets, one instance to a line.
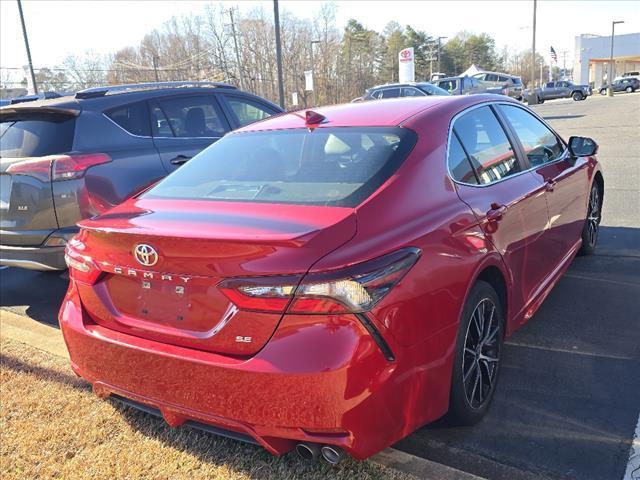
[598, 279]
[633, 467]
[565, 350]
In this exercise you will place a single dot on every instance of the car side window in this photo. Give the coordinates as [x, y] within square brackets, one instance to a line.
[550, 85]
[134, 118]
[459, 164]
[486, 144]
[188, 116]
[540, 144]
[248, 111]
[412, 92]
[390, 93]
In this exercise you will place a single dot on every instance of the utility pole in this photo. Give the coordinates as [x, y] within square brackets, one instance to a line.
[276, 18]
[155, 67]
[533, 98]
[610, 75]
[235, 44]
[564, 63]
[26, 46]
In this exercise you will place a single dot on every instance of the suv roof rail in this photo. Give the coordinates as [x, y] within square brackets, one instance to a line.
[133, 87]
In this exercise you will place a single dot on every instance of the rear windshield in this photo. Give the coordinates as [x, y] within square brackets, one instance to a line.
[326, 166]
[35, 138]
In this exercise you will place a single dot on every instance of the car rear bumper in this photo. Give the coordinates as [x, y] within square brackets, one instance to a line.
[319, 379]
[33, 258]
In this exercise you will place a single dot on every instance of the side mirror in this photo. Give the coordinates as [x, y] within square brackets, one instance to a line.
[582, 146]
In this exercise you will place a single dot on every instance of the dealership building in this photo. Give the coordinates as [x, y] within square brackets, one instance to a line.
[593, 53]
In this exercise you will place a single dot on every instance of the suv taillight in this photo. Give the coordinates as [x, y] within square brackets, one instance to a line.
[353, 289]
[58, 167]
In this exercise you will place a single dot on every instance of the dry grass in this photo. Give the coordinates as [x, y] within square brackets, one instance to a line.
[52, 426]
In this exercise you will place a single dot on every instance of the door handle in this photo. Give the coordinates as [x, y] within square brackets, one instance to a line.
[550, 185]
[179, 160]
[496, 213]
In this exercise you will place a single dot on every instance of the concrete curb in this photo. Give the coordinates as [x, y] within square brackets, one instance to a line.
[25, 330]
[419, 467]
[44, 337]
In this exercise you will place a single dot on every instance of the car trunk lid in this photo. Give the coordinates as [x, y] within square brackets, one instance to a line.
[175, 300]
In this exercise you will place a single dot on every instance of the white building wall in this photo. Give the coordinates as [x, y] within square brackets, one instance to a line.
[592, 46]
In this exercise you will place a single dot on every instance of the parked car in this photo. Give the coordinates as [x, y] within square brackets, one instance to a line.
[395, 90]
[70, 158]
[626, 84]
[464, 86]
[562, 89]
[331, 280]
[509, 85]
[635, 75]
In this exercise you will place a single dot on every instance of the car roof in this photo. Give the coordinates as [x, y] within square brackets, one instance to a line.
[381, 113]
[106, 101]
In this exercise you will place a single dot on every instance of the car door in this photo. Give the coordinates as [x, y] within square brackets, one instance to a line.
[509, 204]
[242, 110]
[565, 179]
[182, 126]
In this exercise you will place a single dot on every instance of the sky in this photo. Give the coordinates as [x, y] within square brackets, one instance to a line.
[58, 28]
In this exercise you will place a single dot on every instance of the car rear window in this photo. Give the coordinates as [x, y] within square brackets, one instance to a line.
[36, 138]
[326, 166]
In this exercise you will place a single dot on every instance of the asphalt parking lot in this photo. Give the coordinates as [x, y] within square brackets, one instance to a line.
[569, 396]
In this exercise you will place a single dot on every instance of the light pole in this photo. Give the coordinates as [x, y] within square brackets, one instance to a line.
[533, 98]
[313, 92]
[26, 45]
[276, 18]
[611, 65]
[439, 47]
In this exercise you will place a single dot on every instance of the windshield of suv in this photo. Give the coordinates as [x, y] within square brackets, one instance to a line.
[326, 166]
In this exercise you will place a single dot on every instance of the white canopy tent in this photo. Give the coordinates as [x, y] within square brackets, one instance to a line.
[472, 70]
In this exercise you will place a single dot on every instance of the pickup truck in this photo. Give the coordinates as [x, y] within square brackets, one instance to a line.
[562, 89]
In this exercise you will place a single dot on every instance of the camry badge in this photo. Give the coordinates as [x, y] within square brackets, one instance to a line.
[145, 255]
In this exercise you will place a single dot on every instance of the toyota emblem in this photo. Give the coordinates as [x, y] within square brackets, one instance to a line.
[145, 255]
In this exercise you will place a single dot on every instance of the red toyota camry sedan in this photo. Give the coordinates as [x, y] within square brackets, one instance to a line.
[330, 280]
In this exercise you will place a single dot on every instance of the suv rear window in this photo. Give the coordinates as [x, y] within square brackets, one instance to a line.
[36, 138]
[326, 166]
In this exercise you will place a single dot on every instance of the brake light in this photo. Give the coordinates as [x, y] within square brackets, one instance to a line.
[354, 289]
[58, 167]
[81, 267]
[66, 167]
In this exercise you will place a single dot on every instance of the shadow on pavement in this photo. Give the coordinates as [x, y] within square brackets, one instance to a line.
[36, 294]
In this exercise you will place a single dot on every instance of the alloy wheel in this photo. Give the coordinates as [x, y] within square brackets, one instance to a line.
[481, 353]
[593, 217]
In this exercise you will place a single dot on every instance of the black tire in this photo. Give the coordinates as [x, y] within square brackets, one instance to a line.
[629, 89]
[477, 365]
[592, 222]
[540, 101]
[577, 96]
[603, 91]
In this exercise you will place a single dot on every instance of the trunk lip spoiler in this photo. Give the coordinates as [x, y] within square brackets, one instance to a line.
[20, 113]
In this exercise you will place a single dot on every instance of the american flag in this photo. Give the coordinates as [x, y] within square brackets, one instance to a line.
[554, 56]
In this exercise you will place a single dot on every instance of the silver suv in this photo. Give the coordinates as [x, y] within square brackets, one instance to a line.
[509, 84]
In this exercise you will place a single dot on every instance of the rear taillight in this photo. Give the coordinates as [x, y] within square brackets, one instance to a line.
[58, 167]
[81, 267]
[354, 289]
[66, 167]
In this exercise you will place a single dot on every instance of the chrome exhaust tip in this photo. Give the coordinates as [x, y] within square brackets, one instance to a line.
[332, 455]
[308, 451]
